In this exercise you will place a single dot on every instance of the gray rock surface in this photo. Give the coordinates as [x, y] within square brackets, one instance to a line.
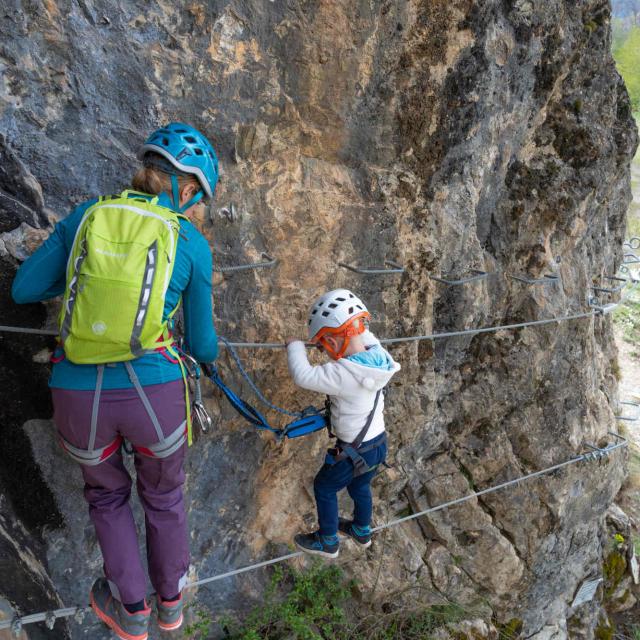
[448, 136]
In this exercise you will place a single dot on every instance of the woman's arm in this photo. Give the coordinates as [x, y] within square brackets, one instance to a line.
[43, 275]
[200, 334]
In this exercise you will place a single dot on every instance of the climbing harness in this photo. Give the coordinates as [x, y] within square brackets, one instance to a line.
[353, 450]
[587, 457]
[92, 456]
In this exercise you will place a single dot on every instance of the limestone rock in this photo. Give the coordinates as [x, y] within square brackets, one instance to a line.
[447, 136]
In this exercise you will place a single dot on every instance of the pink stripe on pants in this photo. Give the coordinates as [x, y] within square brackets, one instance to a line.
[108, 485]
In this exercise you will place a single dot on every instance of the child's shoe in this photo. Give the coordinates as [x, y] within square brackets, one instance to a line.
[127, 626]
[361, 535]
[317, 544]
[170, 613]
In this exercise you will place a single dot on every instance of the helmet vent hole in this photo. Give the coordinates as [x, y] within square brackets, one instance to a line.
[313, 313]
[165, 142]
[320, 303]
[181, 131]
[359, 307]
[350, 309]
[332, 305]
[198, 152]
[351, 295]
[190, 139]
[325, 313]
[341, 299]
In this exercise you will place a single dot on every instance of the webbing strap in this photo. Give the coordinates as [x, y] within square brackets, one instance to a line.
[65, 329]
[360, 465]
[363, 432]
[353, 450]
[187, 402]
[143, 302]
[91, 458]
[245, 410]
[95, 408]
[167, 446]
[145, 401]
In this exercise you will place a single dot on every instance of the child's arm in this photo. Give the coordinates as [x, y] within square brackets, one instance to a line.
[323, 379]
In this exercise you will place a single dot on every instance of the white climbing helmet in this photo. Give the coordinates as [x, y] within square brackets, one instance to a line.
[333, 312]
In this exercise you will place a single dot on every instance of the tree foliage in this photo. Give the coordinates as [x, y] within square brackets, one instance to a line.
[627, 56]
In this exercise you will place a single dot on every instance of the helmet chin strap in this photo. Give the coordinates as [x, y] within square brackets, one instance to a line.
[175, 189]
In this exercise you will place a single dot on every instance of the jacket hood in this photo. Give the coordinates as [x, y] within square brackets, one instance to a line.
[371, 378]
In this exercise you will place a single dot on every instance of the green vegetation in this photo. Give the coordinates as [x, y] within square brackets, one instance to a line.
[626, 51]
[627, 316]
[312, 605]
[311, 610]
[415, 625]
[199, 628]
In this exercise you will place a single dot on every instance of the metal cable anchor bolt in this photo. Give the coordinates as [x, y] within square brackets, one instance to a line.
[16, 626]
[50, 619]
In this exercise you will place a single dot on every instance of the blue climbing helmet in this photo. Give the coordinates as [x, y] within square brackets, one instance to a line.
[182, 150]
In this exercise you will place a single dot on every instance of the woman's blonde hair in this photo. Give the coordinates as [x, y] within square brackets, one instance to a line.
[154, 181]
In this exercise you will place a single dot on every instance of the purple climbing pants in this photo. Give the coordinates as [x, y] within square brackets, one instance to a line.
[108, 485]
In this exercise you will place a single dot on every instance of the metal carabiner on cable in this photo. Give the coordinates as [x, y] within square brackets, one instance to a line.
[193, 368]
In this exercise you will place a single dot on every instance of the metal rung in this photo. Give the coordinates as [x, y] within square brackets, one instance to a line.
[597, 453]
[603, 309]
[269, 262]
[371, 271]
[547, 278]
[629, 418]
[625, 269]
[633, 243]
[476, 274]
[617, 289]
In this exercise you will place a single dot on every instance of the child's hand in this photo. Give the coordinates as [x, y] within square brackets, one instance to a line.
[289, 340]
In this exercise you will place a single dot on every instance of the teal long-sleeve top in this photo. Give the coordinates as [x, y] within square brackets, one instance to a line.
[43, 276]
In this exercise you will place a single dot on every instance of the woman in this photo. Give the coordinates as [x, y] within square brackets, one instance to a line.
[106, 388]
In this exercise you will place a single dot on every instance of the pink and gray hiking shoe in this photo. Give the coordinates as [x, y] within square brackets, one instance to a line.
[127, 626]
[170, 613]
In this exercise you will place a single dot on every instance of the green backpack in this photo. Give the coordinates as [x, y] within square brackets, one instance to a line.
[118, 273]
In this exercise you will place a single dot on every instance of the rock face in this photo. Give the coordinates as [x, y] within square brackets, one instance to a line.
[446, 136]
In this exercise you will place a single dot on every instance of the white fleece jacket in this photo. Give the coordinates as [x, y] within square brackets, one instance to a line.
[351, 386]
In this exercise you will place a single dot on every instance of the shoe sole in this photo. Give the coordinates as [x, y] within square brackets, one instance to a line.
[112, 624]
[314, 552]
[173, 626]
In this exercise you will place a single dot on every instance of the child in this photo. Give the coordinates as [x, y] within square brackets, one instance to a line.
[354, 380]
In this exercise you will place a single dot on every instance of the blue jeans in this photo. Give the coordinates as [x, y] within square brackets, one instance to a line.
[334, 478]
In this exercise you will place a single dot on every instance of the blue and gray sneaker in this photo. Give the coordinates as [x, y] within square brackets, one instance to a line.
[127, 626]
[361, 535]
[318, 545]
